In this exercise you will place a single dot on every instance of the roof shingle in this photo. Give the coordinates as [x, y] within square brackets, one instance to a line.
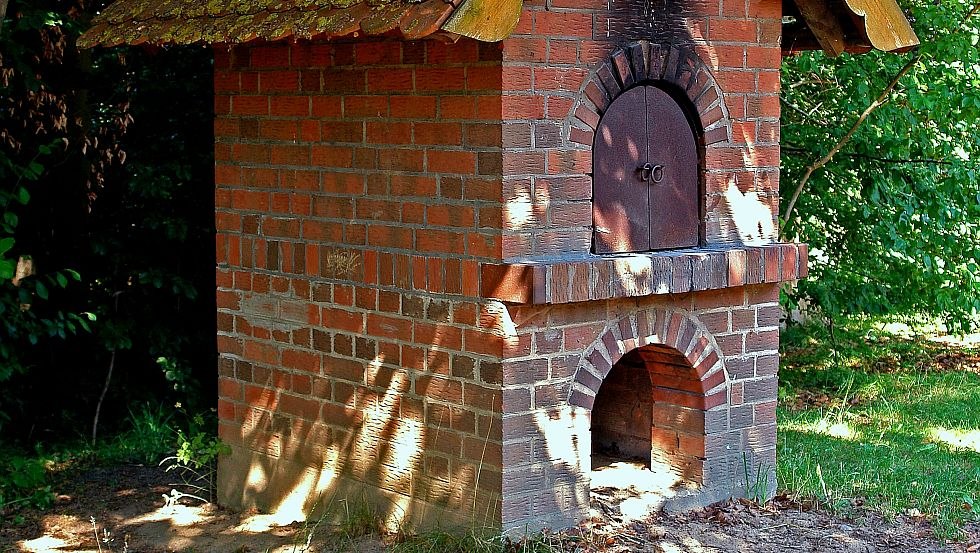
[236, 21]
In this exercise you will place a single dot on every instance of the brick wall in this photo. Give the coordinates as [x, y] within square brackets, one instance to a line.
[357, 188]
[559, 68]
[564, 65]
[710, 421]
[374, 200]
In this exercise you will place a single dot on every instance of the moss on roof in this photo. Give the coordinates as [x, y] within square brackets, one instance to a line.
[236, 21]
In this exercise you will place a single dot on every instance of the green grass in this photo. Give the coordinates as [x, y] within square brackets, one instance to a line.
[478, 541]
[875, 419]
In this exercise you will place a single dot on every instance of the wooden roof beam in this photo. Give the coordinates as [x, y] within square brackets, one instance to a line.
[824, 24]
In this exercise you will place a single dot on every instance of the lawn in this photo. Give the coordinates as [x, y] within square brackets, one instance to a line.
[874, 416]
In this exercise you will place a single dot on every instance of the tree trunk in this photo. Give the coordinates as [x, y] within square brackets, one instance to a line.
[3, 13]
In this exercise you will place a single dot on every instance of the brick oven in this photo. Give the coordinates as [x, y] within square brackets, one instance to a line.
[453, 273]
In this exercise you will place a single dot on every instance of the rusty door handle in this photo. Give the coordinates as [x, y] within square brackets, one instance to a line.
[651, 173]
[645, 171]
[657, 173]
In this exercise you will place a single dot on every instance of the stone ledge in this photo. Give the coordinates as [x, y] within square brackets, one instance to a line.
[642, 274]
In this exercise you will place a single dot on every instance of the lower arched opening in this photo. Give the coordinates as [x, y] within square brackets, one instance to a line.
[647, 437]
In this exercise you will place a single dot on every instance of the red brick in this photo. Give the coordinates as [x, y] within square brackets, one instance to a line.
[302, 407]
[325, 106]
[377, 53]
[389, 80]
[438, 133]
[733, 30]
[389, 327]
[458, 162]
[301, 360]
[412, 107]
[564, 24]
[250, 105]
[278, 81]
[440, 79]
[269, 56]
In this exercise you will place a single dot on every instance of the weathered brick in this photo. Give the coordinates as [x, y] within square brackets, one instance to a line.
[370, 179]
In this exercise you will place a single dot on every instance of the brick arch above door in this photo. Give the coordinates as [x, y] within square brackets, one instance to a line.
[675, 329]
[646, 62]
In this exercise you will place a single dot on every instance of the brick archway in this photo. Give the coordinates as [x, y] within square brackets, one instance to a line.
[673, 334]
[688, 393]
[646, 62]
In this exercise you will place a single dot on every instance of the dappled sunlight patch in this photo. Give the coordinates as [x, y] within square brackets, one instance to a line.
[686, 544]
[406, 449]
[259, 523]
[294, 505]
[956, 438]
[965, 340]
[637, 491]
[519, 211]
[176, 514]
[839, 429]
[257, 477]
[751, 214]
[45, 543]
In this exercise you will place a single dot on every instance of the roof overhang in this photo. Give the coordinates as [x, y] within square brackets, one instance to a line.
[837, 26]
[238, 21]
[834, 26]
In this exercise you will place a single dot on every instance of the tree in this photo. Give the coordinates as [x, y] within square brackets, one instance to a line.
[881, 150]
[110, 198]
[3, 13]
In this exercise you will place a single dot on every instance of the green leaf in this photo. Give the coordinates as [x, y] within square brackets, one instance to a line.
[62, 280]
[5, 245]
[41, 289]
[23, 196]
[7, 269]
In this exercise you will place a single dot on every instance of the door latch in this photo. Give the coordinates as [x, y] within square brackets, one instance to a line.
[651, 173]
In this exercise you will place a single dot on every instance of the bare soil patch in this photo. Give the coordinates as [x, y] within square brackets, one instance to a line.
[129, 502]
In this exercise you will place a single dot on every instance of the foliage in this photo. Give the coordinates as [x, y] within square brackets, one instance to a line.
[894, 219]
[151, 432]
[149, 435]
[109, 200]
[870, 418]
[40, 138]
[196, 460]
[23, 480]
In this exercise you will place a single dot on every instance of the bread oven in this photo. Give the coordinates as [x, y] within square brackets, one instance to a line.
[455, 274]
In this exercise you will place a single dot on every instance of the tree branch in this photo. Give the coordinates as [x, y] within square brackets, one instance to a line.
[857, 124]
[881, 99]
[914, 161]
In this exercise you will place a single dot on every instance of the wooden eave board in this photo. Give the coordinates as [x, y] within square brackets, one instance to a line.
[884, 24]
[854, 26]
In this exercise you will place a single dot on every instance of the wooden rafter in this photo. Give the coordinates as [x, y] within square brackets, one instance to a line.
[824, 24]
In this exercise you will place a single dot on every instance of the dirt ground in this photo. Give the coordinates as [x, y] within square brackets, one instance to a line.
[127, 507]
